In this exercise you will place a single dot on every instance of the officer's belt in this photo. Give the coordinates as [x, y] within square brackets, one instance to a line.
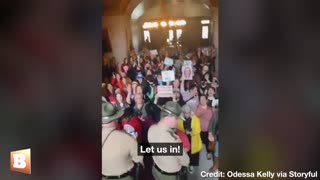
[117, 177]
[166, 173]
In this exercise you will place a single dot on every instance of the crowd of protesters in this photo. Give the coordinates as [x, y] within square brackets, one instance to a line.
[132, 86]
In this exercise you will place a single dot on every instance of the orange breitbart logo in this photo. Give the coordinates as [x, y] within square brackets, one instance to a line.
[20, 161]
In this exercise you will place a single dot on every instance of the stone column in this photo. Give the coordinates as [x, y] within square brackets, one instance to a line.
[118, 27]
[136, 35]
[215, 18]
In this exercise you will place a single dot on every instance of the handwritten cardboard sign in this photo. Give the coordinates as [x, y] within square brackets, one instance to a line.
[167, 76]
[168, 61]
[165, 91]
[187, 63]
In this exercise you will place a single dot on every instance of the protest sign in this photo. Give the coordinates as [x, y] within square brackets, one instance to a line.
[168, 61]
[187, 63]
[205, 49]
[153, 53]
[167, 76]
[165, 91]
[215, 102]
[187, 72]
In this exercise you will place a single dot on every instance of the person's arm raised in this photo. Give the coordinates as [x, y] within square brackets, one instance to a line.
[128, 98]
[182, 86]
[156, 98]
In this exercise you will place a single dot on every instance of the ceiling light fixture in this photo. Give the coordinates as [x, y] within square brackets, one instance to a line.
[205, 21]
[171, 23]
[163, 24]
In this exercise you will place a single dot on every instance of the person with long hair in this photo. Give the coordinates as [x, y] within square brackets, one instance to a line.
[205, 113]
[124, 66]
[205, 82]
[117, 80]
[190, 96]
[110, 95]
[121, 103]
[211, 96]
[176, 83]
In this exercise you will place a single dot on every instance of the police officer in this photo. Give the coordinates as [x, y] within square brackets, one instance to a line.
[119, 149]
[167, 167]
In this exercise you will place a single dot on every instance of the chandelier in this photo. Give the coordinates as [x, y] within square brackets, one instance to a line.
[170, 23]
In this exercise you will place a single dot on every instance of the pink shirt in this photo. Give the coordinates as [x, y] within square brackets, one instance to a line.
[205, 116]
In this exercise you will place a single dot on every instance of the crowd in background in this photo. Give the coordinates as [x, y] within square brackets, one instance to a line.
[132, 86]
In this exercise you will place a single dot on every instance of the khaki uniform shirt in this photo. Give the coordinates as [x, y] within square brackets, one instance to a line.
[158, 133]
[118, 152]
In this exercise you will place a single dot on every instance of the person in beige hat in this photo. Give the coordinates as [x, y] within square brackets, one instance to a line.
[191, 127]
[119, 149]
[167, 167]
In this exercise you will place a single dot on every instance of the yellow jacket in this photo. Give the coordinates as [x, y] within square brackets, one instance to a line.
[196, 143]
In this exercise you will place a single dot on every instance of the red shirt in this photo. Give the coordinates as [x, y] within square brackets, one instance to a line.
[124, 68]
[135, 123]
[116, 82]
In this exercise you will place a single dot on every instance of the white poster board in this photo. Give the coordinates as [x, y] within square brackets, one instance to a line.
[205, 50]
[153, 53]
[215, 102]
[165, 91]
[167, 76]
[168, 61]
[187, 72]
[187, 63]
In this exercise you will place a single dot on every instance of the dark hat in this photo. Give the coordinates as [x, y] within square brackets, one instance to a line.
[110, 113]
[149, 78]
[171, 108]
[128, 112]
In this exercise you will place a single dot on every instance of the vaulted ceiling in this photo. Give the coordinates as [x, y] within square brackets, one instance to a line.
[118, 7]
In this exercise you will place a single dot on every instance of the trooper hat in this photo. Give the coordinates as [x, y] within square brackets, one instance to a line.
[110, 113]
[171, 108]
